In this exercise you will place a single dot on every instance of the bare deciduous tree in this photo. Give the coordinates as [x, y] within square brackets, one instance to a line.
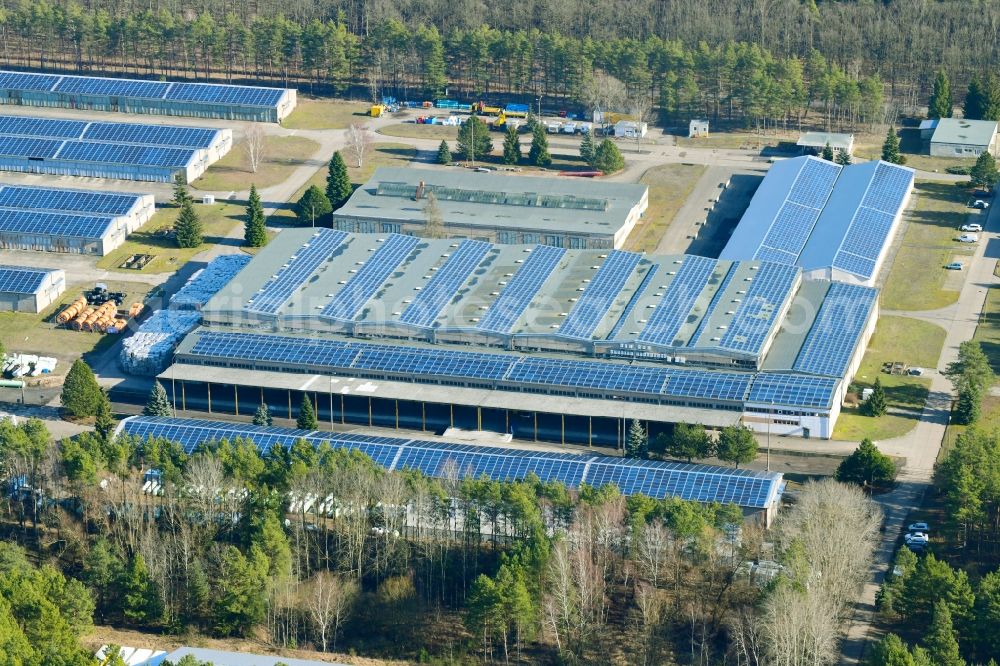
[359, 143]
[253, 144]
[603, 92]
[434, 227]
[640, 107]
[328, 599]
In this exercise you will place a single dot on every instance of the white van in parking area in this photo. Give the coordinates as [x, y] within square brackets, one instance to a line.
[968, 238]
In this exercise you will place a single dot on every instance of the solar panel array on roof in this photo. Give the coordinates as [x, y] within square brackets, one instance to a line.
[44, 223]
[799, 390]
[446, 282]
[672, 311]
[798, 214]
[17, 280]
[41, 128]
[754, 318]
[77, 201]
[835, 332]
[151, 135]
[113, 153]
[300, 266]
[873, 220]
[517, 294]
[701, 483]
[502, 370]
[347, 303]
[208, 93]
[599, 294]
[19, 146]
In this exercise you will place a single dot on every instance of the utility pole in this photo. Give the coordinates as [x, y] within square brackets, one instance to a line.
[472, 148]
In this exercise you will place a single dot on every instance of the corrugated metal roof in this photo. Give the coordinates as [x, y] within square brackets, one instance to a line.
[968, 132]
[837, 140]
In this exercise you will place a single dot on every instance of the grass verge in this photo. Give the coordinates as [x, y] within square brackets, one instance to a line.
[281, 155]
[669, 187]
[917, 278]
[383, 155]
[217, 220]
[323, 114]
[415, 131]
[30, 333]
[738, 140]
[905, 395]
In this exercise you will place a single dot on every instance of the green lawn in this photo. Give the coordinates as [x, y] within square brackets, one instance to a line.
[912, 147]
[322, 114]
[217, 221]
[415, 131]
[38, 334]
[281, 156]
[921, 342]
[917, 278]
[669, 187]
[738, 140]
[988, 331]
[384, 155]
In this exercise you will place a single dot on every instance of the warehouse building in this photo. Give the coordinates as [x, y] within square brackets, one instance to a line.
[127, 151]
[835, 222]
[574, 213]
[813, 143]
[536, 341]
[30, 289]
[196, 100]
[64, 220]
[757, 493]
[958, 137]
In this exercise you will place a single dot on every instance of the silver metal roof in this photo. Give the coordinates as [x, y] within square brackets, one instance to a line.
[966, 132]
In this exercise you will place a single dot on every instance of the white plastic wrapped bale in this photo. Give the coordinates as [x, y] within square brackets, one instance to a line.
[208, 281]
[149, 350]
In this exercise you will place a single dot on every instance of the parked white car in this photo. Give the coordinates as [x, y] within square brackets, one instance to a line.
[968, 238]
[918, 527]
[971, 227]
[917, 538]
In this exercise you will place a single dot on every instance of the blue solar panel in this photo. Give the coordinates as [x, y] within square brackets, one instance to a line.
[16, 146]
[113, 153]
[637, 298]
[517, 294]
[888, 188]
[280, 349]
[216, 94]
[791, 228]
[589, 374]
[21, 81]
[77, 201]
[775, 256]
[42, 128]
[300, 266]
[713, 304]
[87, 85]
[703, 483]
[347, 303]
[852, 263]
[771, 286]
[43, 223]
[17, 280]
[433, 362]
[795, 390]
[445, 284]
[814, 183]
[600, 293]
[831, 340]
[697, 483]
[707, 385]
[673, 309]
[151, 135]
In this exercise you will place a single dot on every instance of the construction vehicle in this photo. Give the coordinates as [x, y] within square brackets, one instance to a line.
[502, 122]
[483, 109]
[376, 110]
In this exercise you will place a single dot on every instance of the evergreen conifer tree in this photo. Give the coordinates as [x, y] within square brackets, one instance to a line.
[338, 182]
[736, 445]
[876, 405]
[587, 149]
[975, 99]
[511, 146]
[843, 158]
[637, 442]
[141, 601]
[312, 206]
[262, 417]
[255, 229]
[474, 139]
[181, 193]
[940, 104]
[307, 415]
[890, 149]
[867, 467]
[444, 153]
[538, 154]
[187, 229]
[608, 158]
[940, 640]
[158, 403]
[81, 393]
[984, 174]
[827, 152]
[104, 420]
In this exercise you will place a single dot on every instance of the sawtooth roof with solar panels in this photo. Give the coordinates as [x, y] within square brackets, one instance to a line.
[485, 202]
[680, 309]
[835, 222]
